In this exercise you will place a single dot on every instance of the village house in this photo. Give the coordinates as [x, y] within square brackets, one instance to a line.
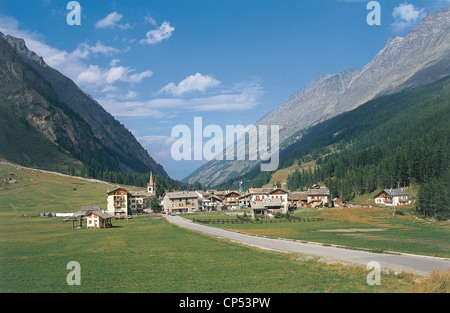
[203, 200]
[266, 207]
[297, 199]
[215, 203]
[281, 194]
[258, 194]
[392, 197]
[231, 199]
[121, 202]
[117, 202]
[180, 202]
[338, 203]
[318, 196]
[244, 201]
[98, 219]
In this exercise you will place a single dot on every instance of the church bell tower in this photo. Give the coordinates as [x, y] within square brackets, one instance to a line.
[151, 188]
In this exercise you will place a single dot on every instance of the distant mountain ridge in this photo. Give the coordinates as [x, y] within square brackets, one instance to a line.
[55, 107]
[420, 58]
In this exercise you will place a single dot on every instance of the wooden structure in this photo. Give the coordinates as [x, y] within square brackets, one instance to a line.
[297, 199]
[98, 219]
[231, 199]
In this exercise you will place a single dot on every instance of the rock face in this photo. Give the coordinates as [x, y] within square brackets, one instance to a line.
[420, 58]
[54, 106]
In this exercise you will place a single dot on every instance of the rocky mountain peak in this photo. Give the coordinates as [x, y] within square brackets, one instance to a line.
[419, 58]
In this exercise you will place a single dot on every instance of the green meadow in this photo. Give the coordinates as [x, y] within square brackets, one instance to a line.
[142, 254]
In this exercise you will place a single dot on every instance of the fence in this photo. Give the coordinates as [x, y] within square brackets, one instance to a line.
[260, 221]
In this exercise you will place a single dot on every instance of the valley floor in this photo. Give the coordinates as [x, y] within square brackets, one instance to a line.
[148, 254]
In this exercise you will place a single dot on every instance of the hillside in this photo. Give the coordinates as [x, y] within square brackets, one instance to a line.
[48, 122]
[397, 140]
[418, 59]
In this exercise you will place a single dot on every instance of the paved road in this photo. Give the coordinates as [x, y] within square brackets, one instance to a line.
[421, 265]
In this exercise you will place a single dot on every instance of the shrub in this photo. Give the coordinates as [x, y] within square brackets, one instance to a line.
[399, 212]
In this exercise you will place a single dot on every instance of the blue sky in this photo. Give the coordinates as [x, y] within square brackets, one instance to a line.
[155, 64]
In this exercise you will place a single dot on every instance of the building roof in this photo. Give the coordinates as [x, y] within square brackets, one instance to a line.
[140, 193]
[396, 192]
[266, 203]
[393, 192]
[100, 214]
[260, 191]
[214, 197]
[181, 195]
[322, 191]
[202, 193]
[220, 193]
[297, 196]
[114, 190]
[150, 182]
[278, 189]
[232, 192]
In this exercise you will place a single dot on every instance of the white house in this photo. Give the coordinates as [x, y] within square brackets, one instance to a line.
[121, 202]
[392, 197]
[281, 194]
[318, 196]
[98, 219]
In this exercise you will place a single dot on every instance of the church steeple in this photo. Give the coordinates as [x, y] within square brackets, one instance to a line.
[151, 186]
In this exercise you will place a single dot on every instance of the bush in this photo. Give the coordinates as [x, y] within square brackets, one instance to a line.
[278, 215]
[399, 212]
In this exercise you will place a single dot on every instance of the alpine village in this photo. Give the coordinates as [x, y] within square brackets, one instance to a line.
[363, 173]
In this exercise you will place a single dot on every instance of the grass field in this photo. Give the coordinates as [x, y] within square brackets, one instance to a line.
[144, 254]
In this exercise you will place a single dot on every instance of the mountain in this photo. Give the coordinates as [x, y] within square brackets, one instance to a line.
[395, 140]
[49, 122]
[420, 58]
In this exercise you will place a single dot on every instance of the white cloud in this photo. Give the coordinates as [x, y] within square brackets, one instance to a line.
[137, 78]
[157, 35]
[196, 82]
[149, 19]
[96, 76]
[112, 21]
[114, 62]
[84, 50]
[239, 98]
[159, 145]
[406, 16]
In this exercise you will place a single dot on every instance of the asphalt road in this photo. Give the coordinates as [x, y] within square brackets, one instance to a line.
[421, 265]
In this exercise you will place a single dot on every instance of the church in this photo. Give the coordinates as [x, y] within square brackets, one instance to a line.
[121, 203]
